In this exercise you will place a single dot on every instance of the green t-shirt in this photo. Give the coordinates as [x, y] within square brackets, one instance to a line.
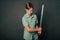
[30, 21]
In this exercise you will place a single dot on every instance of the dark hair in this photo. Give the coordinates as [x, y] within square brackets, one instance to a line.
[28, 5]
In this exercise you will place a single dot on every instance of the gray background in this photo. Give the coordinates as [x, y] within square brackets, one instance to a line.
[11, 13]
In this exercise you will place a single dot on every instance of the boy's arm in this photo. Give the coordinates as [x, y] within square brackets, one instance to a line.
[39, 29]
[31, 29]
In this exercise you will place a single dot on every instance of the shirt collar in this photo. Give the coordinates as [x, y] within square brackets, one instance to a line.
[29, 16]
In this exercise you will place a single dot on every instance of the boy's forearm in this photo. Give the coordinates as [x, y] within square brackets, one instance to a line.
[32, 30]
[37, 26]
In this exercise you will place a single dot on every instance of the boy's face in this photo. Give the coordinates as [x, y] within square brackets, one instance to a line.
[29, 11]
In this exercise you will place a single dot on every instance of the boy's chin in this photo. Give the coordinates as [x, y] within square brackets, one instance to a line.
[30, 14]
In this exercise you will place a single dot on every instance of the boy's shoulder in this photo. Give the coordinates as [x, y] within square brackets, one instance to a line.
[35, 15]
[24, 16]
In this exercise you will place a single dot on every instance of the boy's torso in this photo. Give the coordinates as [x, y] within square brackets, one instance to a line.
[31, 21]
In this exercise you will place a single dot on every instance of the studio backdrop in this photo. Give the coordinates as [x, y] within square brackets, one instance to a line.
[12, 11]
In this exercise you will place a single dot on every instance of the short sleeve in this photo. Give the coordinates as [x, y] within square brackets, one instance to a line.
[36, 20]
[24, 22]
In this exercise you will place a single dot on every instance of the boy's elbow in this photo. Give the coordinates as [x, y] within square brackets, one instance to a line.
[29, 30]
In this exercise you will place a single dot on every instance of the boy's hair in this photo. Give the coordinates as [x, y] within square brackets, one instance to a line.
[28, 5]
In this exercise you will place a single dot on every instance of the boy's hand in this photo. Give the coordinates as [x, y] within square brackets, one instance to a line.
[39, 30]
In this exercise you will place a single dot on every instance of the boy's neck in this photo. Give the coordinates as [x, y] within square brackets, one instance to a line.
[30, 15]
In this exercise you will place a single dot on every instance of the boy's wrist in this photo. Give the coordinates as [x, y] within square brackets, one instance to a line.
[36, 29]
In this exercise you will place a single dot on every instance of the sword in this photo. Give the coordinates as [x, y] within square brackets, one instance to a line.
[41, 15]
[41, 19]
